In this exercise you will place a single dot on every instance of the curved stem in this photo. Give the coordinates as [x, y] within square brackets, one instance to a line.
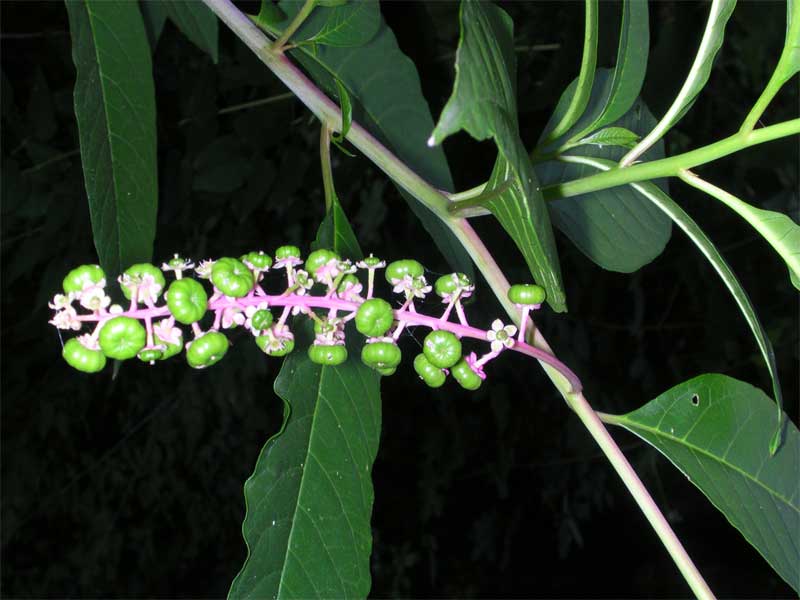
[298, 20]
[325, 163]
[670, 166]
[328, 112]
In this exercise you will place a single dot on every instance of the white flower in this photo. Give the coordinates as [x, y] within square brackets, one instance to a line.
[203, 270]
[94, 298]
[328, 272]
[351, 292]
[232, 316]
[66, 318]
[501, 336]
[61, 301]
[371, 263]
[412, 286]
[166, 332]
[115, 309]
[177, 264]
[149, 289]
[87, 340]
[346, 266]
[289, 261]
[303, 282]
[249, 312]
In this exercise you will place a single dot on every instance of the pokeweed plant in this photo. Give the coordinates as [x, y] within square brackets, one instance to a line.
[596, 173]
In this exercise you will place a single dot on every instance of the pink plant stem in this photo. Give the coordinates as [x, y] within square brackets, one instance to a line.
[404, 317]
[523, 323]
[449, 309]
[148, 323]
[486, 358]
[461, 316]
[217, 319]
[370, 282]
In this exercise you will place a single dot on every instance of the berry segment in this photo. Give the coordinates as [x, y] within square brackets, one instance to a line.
[259, 295]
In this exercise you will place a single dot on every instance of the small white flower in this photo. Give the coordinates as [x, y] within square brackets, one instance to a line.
[115, 309]
[61, 301]
[232, 316]
[149, 289]
[87, 340]
[303, 281]
[66, 318]
[166, 331]
[203, 270]
[177, 264]
[290, 261]
[94, 298]
[249, 312]
[371, 263]
[351, 292]
[501, 336]
[328, 272]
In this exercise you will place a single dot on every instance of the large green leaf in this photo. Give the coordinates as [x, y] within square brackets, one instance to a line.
[778, 229]
[716, 430]
[699, 73]
[115, 109]
[309, 499]
[196, 22]
[401, 121]
[352, 24]
[695, 233]
[618, 228]
[483, 103]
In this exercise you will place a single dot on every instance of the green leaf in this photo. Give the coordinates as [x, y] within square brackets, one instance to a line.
[699, 73]
[196, 22]
[583, 84]
[779, 230]
[792, 44]
[401, 121]
[618, 228]
[154, 13]
[483, 103]
[347, 112]
[309, 499]
[666, 204]
[610, 136]
[115, 109]
[715, 429]
[346, 25]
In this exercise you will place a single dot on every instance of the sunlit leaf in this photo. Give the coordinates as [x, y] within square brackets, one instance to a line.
[716, 430]
[610, 136]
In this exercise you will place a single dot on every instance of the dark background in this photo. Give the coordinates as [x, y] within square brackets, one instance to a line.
[133, 487]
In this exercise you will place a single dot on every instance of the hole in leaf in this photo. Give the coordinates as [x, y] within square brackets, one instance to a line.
[695, 400]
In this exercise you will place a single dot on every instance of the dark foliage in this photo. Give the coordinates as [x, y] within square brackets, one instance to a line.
[132, 487]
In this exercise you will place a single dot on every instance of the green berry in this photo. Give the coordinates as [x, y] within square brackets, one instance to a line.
[138, 271]
[271, 347]
[169, 350]
[526, 294]
[430, 374]
[400, 268]
[82, 358]
[348, 279]
[259, 260]
[285, 252]
[372, 262]
[187, 300]
[387, 371]
[319, 258]
[442, 348]
[381, 355]
[85, 275]
[122, 338]
[232, 277]
[261, 319]
[447, 284]
[327, 355]
[464, 375]
[207, 350]
[374, 317]
[150, 354]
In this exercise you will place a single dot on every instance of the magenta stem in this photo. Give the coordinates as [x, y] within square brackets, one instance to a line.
[404, 317]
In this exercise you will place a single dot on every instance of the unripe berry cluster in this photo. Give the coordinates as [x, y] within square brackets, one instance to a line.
[323, 287]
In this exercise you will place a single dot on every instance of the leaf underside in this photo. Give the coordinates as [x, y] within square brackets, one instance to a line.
[483, 103]
[115, 109]
[716, 430]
